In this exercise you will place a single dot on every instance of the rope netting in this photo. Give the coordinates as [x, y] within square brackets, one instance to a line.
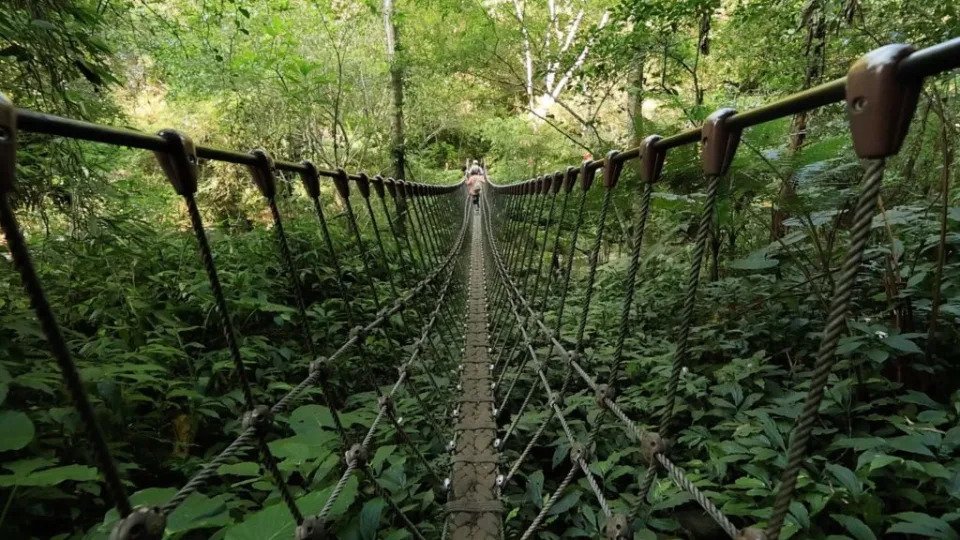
[497, 310]
[522, 223]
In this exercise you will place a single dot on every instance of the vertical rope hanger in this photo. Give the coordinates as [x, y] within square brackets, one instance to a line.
[22, 262]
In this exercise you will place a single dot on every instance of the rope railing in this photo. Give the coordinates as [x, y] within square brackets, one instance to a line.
[432, 221]
[881, 92]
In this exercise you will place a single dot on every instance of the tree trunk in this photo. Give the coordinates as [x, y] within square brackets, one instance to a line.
[396, 82]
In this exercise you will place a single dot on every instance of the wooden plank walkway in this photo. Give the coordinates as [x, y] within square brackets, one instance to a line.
[474, 507]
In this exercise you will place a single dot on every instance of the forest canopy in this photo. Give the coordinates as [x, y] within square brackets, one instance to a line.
[415, 89]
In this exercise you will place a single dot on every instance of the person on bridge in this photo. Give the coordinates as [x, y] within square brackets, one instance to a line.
[475, 178]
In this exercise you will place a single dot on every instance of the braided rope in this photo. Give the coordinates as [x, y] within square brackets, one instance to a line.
[58, 346]
[835, 326]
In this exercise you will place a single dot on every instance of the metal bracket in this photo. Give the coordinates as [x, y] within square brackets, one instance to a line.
[391, 187]
[8, 144]
[570, 178]
[611, 170]
[718, 143]
[179, 162]
[651, 159]
[363, 184]
[342, 184]
[546, 183]
[879, 106]
[263, 174]
[557, 182]
[377, 182]
[311, 179]
[587, 174]
[144, 523]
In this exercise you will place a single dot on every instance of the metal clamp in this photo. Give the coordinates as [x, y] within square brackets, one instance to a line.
[578, 453]
[604, 393]
[385, 403]
[341, 183]
[651, 159]
[8, 144]
[879, 106]
[311, 179]
[611, 170]
[311, 529]
[363, 184]
[587, 174]
[558, 179]
[391, 187]
[751, 533]
[263, 174]
[618, 527]
[570, 178]
[357, 456]
[651, 445]
[718, 142]
[547, 184]
[320, 365]
[179, 162]
[144, 523]
[359, 332]
[260, 418]
[377, 182]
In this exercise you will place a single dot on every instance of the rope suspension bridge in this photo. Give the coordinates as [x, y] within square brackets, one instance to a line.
[485, 307]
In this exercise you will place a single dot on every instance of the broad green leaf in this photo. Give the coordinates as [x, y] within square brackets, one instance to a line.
[535, 488]
[901, 343]
[199, 512]
[756, 261]
[847, 478]
[910, 443]
[923, 525]
[275, 521]
[567, 502]
[246, 468]
[17, 430]
[370, 518]
[51, 477]
[855, 527]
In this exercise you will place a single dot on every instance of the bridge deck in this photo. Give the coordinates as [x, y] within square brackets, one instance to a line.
[475, 510]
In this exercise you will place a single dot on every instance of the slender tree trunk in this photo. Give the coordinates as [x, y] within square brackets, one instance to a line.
[396, 82]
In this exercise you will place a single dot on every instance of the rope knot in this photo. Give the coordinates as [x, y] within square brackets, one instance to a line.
[144, 523]
[260, 418]
[311, 529]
